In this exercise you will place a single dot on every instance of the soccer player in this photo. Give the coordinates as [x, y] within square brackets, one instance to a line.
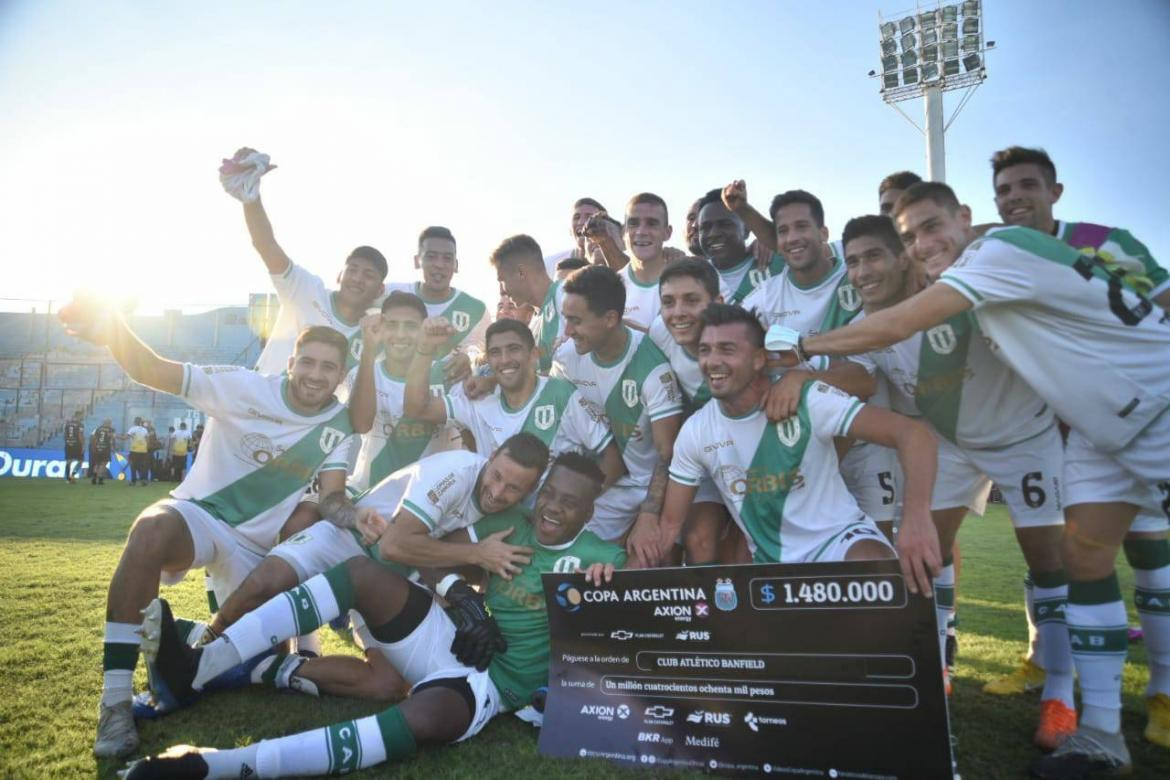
[305, 301]
[571, 264]
[450, 701]
[1026, 189]
[780, 480]
[1041, 302]
[626, 380]
[508, 309]
[139, 453]
[523, 278]
[101, 444]
[583, 209]
[692, 230]
[74, 445]
[437, 260]
[269, 435]
[723, 238]
[991, 427]
[646, 229]
[892, 187]
[550, 408]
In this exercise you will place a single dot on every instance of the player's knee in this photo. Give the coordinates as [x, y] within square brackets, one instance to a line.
[440, 712]
[154, 532]
[1084, 559]
[869, 550]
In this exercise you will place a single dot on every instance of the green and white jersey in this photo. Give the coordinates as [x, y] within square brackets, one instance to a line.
[555, 413]
[780, 481]
[1120, 252]
[547, 325]
[949, 376]
[466, 314]
[257, 455]
[1098, 353]
[629, 393]
[682, 363]
[440, 490]
[828, 304]
[395, 441]
[518, 604]
[304, 302]
[740, 281]
[642, 301]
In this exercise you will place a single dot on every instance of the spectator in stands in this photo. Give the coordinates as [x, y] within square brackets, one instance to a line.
[74, 445]
[139, 452]
[180, 443]
[101, 445]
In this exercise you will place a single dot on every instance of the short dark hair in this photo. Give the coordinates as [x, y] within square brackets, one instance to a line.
[325, 335]
[901, 180]
[371, 255]
[582, 464]
[712, 196]
[571, 263]
[880, 227]
[934, 191]
[401, 299]
[1018, 155]
[527, 450]
[507, 325]
[799, 196]
[652, 199]
[515, 250]
[588, 202]
[729, 314]
[435, 231]
[699, 270]
[601, 288]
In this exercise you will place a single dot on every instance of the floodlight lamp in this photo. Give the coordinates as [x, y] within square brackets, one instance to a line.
[972, 62]
[971, 25]
[927, 20]
[930, 71]
[951, 68]
[890, 80]
[907, 24]
[889, 63]
[909, 41]
[950, 31]
[950, 49]
[950, 13]
[929, 37]
[909, 59]
[889, 47]
[970, 7]
[970, 43]
[888, 29]
[910, 76]
[930, 53]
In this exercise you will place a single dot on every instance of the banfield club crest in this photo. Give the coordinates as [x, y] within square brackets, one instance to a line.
[725, 598]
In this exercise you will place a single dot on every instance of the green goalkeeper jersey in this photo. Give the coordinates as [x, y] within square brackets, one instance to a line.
[518, 605]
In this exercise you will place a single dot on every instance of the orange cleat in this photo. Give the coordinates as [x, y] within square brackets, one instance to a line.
[1057, 722]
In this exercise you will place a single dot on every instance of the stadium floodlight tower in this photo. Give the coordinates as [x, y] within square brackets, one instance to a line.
[926, 51]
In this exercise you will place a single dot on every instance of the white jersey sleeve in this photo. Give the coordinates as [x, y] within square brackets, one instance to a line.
[686, 466]
[661, 393]
[441, 489]
[578, 425]
[221, 390]
[831, 411]
[984, 277]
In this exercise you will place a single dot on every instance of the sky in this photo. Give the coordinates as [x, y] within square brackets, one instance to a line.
[492, 118]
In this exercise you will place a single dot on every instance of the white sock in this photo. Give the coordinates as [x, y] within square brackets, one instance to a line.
[1152, 598]
[342, 747]
[944, 605]
[237, 763]
[1049, 605]
[1099, 636]
[119, 657]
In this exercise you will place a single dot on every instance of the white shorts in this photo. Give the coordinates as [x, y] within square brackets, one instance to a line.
[870, 473]
[1132, 475]
[318, 548]
[1028, 474]
[425, 655]
[615, 511]
[223, 551]
[835, 547]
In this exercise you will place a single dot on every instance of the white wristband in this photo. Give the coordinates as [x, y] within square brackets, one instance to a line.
[446, 583]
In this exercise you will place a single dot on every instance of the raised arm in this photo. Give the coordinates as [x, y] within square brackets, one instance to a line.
[363, 397]
[417, 401]
[735, 199]
[103, 325]
[596, 229]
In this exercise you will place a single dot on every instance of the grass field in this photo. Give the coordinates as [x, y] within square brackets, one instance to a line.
[59, 544]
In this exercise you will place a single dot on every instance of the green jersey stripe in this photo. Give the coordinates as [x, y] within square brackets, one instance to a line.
[418, 512]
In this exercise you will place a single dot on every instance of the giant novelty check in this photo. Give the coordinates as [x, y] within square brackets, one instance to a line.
[811, 670]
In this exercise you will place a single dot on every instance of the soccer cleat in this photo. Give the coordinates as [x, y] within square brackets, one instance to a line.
[182, 762]
[1086, 753]
[1158, 725]
[116, 735]
[171, 663]
[1057, 723]
[1025, 677]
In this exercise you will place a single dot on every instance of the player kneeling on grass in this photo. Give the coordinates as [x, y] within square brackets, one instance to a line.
[462, 675]
[270, 435]
[781, 480]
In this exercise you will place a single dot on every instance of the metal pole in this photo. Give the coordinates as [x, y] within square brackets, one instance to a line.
[936, 156]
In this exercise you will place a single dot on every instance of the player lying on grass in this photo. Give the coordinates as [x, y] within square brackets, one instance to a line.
[267, 437]
[506, 652]
[1099, 355]
[781, 480]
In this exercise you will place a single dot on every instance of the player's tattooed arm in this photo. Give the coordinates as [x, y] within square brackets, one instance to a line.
[336, 507]
[783, 397]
